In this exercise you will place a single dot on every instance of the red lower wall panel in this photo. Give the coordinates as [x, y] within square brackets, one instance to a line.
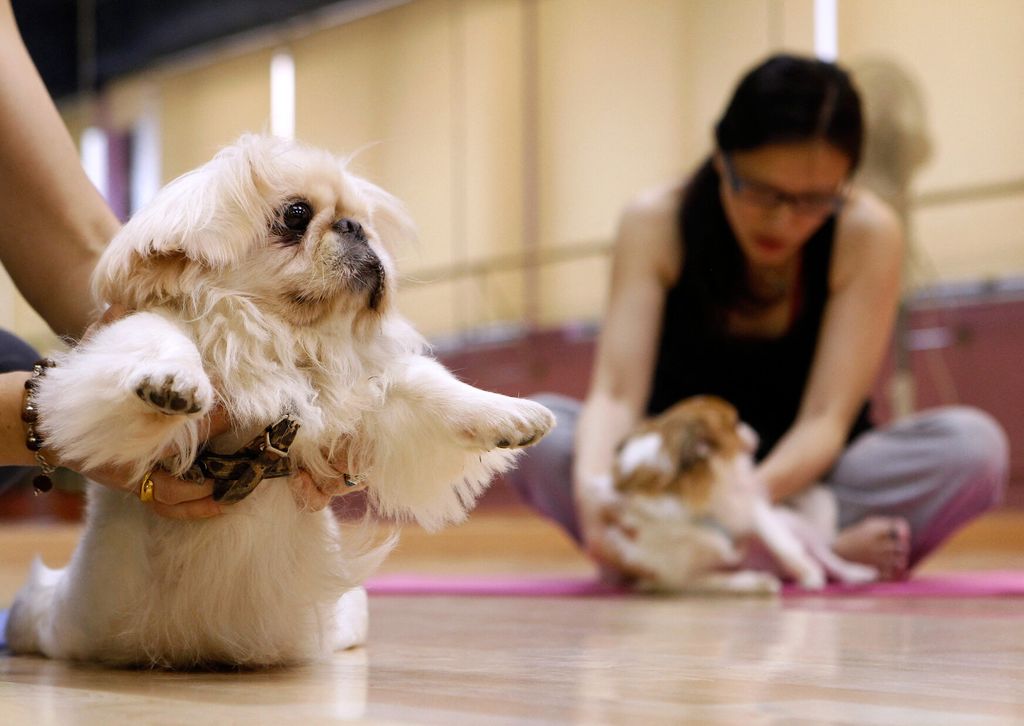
[962, 350]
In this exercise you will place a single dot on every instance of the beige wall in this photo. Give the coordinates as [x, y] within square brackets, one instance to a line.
[432, 94]
[499, 153]
[205, 108]
[968, 58]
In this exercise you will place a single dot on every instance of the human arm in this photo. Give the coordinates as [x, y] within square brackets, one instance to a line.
[864, 289]
[56, 226]
[55, 221]
[646, 257]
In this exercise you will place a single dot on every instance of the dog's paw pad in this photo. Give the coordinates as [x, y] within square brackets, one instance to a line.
[521, 444]
[521, 424]
[170, 396]
[853, 573]
[812, 580]
[753, 582]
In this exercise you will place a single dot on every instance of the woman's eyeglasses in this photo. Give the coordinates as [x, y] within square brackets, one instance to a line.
[767, 197]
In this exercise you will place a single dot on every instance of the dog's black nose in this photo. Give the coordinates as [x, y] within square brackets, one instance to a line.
[349, 228]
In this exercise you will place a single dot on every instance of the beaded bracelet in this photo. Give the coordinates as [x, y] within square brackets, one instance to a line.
[30, 415]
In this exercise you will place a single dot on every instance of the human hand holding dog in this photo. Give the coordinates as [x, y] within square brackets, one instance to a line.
[173, 497]
[312, 495]
[597, 504]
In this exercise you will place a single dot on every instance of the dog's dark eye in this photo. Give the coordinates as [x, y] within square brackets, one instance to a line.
[296, 216]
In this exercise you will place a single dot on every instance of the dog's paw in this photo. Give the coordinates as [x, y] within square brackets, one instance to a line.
[174, 393]
[854, 573]
[738, 582]
[752, 582]
[517, 423]
[351, 618]
[811, 578]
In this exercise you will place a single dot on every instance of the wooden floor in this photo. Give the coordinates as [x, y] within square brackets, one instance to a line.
[597, 660]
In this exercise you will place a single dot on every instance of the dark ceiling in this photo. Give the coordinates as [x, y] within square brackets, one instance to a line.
[131, 35]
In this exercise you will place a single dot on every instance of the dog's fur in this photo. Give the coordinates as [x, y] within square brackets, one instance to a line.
[684, 500]
[238, 300]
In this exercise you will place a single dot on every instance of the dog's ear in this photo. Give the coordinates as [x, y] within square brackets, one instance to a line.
[693, 445]
[210, 216]
[681, 453]
[388, 216]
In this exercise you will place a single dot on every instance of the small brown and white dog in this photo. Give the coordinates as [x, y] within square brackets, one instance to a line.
[685, 500]
[262, 281]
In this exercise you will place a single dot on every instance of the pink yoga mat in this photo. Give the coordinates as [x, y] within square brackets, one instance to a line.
[955, 584]
[510, 586]
[988, 583]
[994, 583]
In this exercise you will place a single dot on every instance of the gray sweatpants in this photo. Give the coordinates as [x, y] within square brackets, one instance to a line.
[937, 469]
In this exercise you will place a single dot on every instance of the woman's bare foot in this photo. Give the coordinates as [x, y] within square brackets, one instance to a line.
[883, 542]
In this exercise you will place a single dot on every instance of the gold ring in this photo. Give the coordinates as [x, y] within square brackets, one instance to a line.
[146, 488]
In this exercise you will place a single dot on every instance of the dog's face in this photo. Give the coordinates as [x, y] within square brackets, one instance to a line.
[281, 224]
[673, 452]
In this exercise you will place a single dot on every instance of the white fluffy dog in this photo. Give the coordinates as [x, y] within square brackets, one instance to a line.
[261, 281]
[684, 502]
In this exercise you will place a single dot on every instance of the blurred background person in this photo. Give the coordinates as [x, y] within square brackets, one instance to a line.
[770, 280]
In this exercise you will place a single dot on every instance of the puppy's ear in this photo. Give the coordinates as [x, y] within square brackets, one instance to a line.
[388, 216]
[210, 216]
[693, 445]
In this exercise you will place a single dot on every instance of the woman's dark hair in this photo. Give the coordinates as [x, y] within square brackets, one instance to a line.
[784, 99]
[787, 98]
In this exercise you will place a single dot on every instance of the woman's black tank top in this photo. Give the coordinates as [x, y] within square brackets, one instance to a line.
[763, 377]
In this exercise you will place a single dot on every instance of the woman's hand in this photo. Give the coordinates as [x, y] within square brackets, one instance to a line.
[309, 496]
[598, 506]
[173, 497]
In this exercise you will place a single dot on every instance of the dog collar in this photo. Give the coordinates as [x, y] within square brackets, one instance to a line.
[236, 475]
[265, 457]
